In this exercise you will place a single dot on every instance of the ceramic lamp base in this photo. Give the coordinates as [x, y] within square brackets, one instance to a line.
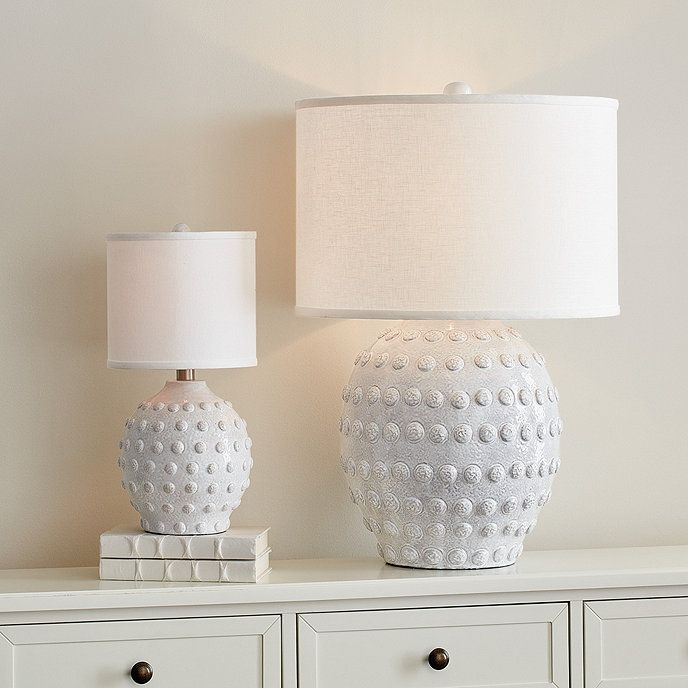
[185, 460]
[450, 442]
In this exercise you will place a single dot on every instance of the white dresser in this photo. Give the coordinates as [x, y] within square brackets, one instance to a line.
[616, 618]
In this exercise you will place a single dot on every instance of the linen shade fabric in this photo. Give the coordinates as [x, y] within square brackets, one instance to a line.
[179, 300]
[456, 206]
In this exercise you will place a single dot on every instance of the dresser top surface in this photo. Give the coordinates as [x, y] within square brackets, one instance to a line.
[342, 579]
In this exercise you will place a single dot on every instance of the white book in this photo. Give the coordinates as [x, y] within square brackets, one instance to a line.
[129, 542]
[185, 570]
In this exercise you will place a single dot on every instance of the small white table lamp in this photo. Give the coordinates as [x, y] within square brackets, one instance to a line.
[182, 300]
[454, 212]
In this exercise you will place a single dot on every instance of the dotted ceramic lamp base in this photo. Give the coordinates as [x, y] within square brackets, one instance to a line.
[450, 442]
[185, 459]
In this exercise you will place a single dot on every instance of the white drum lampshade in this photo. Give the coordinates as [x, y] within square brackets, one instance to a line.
[453, 212]
[456, 206]
[183, 300]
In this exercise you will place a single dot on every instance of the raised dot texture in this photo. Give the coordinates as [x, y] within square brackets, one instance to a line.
[472, 474]
[497, 473]
[400, 362]
[381, 360]
[454, 363]
[432, 556]
[373, 395]
[436, 506]
[415, 432]
[426, 364]
[460, 400]
[517, 470]
[490, 530]
[391, 432]
[412, 506]
[441, 456]
[457, 556]
[463, 433]
[372, 431]
[412, 396]
[480, 557]
[487, 507]
[463, 507]
[380, 471]
[483, 361]
[507, 432]
[392, 396]
[448, 473]
[413, 531]
[409, 554]
[457, 336]
[401, 471]
[483, 397]
[391, 502]
[463, 530]
[423, 473]
[434, 399]
[438, 434]
[487, 433]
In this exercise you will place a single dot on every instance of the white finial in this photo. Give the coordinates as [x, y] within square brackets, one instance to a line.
[181, 227]
[457, 88]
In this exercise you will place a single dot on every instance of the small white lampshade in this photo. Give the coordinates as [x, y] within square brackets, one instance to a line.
[181, 300]
[456, 206]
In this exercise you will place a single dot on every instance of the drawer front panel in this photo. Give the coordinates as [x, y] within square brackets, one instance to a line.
[524, 646]
[636, 643]
[223, 652]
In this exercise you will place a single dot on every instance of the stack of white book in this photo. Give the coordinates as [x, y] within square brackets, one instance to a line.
[239, 555]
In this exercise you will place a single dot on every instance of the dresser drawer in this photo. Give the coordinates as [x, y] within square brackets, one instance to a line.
[518, 645]
[636, 643]
[222, 652]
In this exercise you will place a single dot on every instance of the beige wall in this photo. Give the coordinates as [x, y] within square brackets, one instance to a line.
[130, 115]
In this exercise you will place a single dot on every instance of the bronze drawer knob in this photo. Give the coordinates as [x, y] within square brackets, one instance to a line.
[141, 672]
[438, 659]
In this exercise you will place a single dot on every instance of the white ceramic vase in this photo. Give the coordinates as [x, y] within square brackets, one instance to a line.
[185, 460]
[450, 442]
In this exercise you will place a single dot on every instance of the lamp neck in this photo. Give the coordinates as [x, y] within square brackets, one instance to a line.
[188, 375]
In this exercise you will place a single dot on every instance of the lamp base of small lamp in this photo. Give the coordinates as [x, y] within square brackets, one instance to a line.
[450, 442]
[185, 458]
